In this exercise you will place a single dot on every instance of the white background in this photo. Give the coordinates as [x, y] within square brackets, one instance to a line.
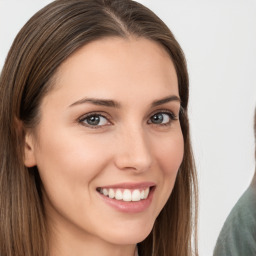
[219, 41]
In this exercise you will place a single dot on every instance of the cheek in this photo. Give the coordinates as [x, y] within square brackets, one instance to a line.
[69, 153]
[171, 154]
[68, 166]
[69, 163]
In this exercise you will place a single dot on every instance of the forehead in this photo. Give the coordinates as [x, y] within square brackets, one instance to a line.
[110, 66]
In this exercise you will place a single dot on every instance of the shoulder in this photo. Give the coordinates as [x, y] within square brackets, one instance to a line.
[238, 235]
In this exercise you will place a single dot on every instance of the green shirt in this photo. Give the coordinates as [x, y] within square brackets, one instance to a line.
[238, 235]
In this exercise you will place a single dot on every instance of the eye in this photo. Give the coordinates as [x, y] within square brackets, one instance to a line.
[162, 118]
[94, 120]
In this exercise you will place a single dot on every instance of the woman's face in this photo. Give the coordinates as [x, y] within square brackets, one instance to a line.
[109, 143]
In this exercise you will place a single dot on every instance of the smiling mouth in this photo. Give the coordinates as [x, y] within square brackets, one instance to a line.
[126, 195]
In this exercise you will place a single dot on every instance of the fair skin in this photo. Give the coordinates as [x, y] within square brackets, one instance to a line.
[131, 140]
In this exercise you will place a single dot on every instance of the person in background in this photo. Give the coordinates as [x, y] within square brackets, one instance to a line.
[238, 235]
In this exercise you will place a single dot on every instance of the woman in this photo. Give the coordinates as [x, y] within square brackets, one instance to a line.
[95, 146]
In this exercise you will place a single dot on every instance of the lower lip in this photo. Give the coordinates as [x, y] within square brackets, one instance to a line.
[132, 206]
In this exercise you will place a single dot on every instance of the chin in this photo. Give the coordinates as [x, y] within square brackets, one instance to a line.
[129, 235]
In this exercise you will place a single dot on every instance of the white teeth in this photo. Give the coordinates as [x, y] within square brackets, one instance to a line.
[136, 195]
[111, 193]
[142, 194]
[126, 195]
[118, 195]
[105, 192]
[146, 193]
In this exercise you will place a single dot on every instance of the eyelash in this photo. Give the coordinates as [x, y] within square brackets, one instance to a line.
[82, 120]
[94, 114]
[171, 115]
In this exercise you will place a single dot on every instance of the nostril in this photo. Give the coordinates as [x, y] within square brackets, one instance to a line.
[134, 163]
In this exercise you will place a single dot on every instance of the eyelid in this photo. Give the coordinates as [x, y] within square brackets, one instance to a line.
[103, 114]
[99, 113]
[171, 114]
[165, 111]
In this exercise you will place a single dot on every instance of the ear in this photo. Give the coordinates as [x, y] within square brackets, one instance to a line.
[29, 151]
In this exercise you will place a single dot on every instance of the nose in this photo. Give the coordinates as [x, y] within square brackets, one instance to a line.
[133, 151]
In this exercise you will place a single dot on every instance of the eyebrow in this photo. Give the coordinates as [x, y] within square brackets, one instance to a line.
[98, 102]
[165, 100]
[115, 104]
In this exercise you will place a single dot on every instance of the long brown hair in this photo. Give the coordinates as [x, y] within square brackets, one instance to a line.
[46, 40]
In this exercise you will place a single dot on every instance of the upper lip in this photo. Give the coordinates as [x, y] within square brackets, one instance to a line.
[131, 185]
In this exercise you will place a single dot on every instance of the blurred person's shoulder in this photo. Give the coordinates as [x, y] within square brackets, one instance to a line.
[238, 235]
